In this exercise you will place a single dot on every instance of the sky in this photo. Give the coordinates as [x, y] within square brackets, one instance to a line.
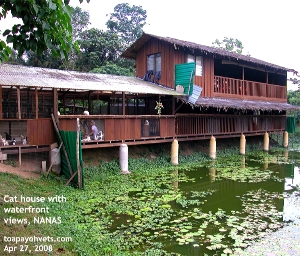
[268, 29]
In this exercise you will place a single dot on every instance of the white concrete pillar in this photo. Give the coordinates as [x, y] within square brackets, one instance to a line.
[174, 152]
[242, 145]
[123, 158]
[212, 148]
[285, 139]
[266, 142]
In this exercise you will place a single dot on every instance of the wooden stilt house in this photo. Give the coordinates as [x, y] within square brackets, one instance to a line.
[227, 94]
[182, 91]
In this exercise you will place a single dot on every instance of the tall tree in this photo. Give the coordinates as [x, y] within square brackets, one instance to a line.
[44, 60]
[80, 20]
[127, 22]
[46, 25]
[293, 97]
[229, 44]
[96, 48]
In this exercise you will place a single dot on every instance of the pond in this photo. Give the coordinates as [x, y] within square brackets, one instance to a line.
[219, 207]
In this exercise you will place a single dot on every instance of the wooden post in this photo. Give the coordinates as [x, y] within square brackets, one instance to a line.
[19, 103]
[55, 104]
[36, 103]
[123, 104]
[77, 155]
[63, 147]
[20, 156]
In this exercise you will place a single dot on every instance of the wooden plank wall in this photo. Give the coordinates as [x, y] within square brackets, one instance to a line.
[68, 124]
[167, 127]
[172, 55]
[122, 129]
[40, 132]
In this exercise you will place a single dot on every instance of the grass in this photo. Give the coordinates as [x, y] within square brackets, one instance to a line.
[16, 186]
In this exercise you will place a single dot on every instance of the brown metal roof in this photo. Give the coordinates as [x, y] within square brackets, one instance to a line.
[17, 75]
[225, 104]
[202, 49]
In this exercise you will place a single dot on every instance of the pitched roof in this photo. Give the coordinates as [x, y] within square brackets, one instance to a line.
[207, 50]
[17, 75]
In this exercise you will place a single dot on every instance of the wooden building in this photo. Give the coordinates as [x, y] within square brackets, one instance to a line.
[204, 91]
[228, 94]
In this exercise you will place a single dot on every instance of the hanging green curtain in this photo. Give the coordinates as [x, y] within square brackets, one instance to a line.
[291, 124]
[69, 139]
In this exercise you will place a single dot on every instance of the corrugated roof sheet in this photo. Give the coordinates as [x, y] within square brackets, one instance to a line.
[241, 104]
[215, 52]
[17, 75]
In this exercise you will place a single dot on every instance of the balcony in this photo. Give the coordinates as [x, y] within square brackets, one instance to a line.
[225, 87]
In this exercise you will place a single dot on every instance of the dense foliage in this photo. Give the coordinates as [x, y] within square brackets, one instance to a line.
[46, 25]
[83, 48]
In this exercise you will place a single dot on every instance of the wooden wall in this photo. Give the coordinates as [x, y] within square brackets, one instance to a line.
[122, 129]
[40, 132]
[170, 56]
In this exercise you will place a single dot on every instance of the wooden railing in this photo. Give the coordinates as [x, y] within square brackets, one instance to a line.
[147, 129]
[201, 125]
[235, 87]
[124, 128]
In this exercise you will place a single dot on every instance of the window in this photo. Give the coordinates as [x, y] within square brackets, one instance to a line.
[154, 62]
[153, 73]
[199, 63]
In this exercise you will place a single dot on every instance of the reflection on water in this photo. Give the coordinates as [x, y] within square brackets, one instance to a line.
[215, 209]
[292, 201]
[229, 195]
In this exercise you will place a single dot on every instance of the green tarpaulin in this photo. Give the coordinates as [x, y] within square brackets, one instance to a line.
[291, 124]
[69, 140]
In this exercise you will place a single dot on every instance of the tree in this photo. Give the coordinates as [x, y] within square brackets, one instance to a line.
[293, 97]
[14, 59]
[46, 25]
[96, 48]
[127, 22]
[80, 20]
[229, 44]
[44, 60]
[296, 80]
[112, 68]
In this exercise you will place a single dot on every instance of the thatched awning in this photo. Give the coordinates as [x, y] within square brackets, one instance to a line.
[226, 104]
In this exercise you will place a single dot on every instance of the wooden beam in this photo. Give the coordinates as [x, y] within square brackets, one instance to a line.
[78, 140]
[36, 103]
[19, 102]
[123, 104]
[63, 146]
[55, 104]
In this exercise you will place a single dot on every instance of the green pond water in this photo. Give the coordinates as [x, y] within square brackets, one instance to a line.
[219, 208]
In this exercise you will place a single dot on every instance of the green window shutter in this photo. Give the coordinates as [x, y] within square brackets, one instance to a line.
[184, 75]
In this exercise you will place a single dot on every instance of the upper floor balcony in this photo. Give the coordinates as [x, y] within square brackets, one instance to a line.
[235, 88]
